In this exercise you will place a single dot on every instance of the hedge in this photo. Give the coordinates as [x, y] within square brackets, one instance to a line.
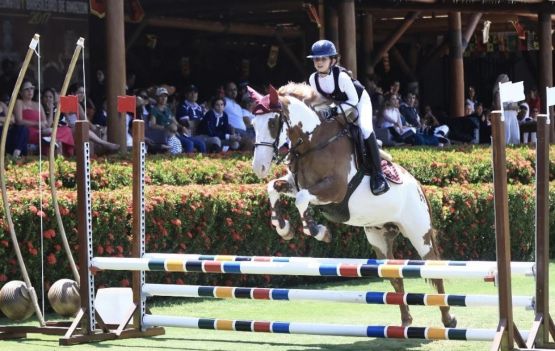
[440, 167]
[234, 219]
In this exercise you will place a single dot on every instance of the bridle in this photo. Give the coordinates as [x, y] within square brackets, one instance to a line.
[274, 145]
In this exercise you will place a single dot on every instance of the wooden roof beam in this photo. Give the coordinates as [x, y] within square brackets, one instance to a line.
[221, 27]
[531, 6]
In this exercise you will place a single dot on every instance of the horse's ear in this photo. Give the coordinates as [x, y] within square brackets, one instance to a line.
[254, 95]
[274, 100]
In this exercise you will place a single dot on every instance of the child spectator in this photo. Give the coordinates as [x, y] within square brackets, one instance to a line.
[215, 124]
[173, 144]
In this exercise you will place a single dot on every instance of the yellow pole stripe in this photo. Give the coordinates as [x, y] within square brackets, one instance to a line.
[437, 263]
[391, 271]
[224, 324]
[224, 292]
[436, 334]
[224, 258]
[174, 265]
[435, 300]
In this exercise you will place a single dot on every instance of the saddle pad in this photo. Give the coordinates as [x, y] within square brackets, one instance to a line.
[390, 172]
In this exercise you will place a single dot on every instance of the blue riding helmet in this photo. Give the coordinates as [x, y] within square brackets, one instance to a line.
[322, 48]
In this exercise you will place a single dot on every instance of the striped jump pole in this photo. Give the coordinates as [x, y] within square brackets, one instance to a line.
[370, 331]
[361, 297]
[524, 268]
[288, 268]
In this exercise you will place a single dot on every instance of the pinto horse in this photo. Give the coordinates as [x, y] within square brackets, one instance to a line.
[322, 172]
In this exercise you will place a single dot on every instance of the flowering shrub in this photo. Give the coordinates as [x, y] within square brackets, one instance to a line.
[460, 165]
[235, 219]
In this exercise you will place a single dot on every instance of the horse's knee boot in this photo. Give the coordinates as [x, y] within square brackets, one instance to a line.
[378, 183]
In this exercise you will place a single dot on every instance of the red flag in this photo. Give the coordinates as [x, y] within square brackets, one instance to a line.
[69, 104]
[98, 8]
[127, 104]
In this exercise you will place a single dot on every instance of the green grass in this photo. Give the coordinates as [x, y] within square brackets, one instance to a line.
[317, 312]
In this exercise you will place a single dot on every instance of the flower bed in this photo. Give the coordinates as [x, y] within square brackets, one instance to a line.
[235, 219]
[430, 166]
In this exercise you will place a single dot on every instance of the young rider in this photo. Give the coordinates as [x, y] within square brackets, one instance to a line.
[333, 82]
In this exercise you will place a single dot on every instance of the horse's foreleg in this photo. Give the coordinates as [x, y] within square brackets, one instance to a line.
[310, 227]
[382, 239]
[277, 187]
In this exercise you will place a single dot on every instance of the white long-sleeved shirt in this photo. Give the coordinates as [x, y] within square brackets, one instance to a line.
[345, 83]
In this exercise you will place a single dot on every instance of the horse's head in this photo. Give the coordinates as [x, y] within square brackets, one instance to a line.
[290, 111]
[267, 127]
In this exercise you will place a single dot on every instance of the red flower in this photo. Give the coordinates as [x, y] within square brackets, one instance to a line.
[33, 209]
[5, 243]
[3, 278]
[124, 282]
[99, 250]
[41, 214]
[176, 222]
[49, 234]
[119, 248]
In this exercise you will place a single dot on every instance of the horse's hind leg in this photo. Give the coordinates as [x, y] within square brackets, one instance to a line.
[382, 238]
[449, 320]
[277, 187]
[427, 249]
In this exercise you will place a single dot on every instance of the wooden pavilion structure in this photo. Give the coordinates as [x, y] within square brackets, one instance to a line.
[365, 31]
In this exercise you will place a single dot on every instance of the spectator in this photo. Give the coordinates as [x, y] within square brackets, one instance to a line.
[234, 111]
[394, 89]
[215, 124]
[190, 110]
[512, 130]
[533, 100]
[409, 112]
[71, 119]
[471, 98]
[391, 118]
[160, 114]
[485, 123]
[527, 123]
[29, 113]
[173, 144]
[190, 142]
[16, 144]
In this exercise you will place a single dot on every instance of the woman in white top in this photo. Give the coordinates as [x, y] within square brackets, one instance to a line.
[333, 82]
[512, 129]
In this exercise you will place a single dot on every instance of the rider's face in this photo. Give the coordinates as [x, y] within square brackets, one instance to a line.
[322, 64]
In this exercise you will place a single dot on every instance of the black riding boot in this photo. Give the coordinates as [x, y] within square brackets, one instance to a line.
[378, 183]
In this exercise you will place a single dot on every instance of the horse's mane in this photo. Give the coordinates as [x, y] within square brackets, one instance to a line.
[303, 92]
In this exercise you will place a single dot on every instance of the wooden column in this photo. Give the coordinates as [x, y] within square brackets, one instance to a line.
[545, 73]
[115, 72]
[367, 42]
[456, 65]
[347, 35]
[332, 23]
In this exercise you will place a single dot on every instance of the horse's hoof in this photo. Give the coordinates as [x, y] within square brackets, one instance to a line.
[452, 323]
[286, 233]
[407, 323]
[323, 234]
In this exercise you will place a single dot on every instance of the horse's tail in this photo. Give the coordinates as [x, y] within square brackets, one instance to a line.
[433, 230]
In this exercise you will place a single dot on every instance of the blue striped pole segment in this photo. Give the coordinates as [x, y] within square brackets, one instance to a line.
[290, 268]
[371, 331]
[362, 297]
[524, 268]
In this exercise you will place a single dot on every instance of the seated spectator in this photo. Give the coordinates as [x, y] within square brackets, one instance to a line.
[485, 123]
[70, 119]
[30, 113]
[431, 126]
[235, 113]
[247, 106]
[471, 98]
[172, 144]
[409, 112]
[16, 143]
[533, 99]
[190, 142]
[215, 124]
[394, 89]
[391, 118]
[189, 110]
[160, 114]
